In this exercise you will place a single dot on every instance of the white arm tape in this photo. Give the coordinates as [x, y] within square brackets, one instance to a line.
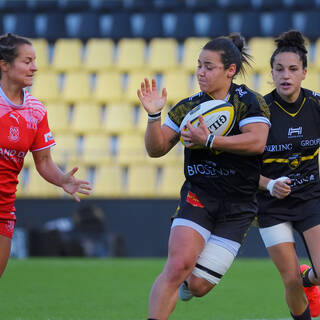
[271, 183]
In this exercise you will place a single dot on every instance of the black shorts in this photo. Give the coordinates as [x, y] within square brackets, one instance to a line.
[303, 214]
[226, 219]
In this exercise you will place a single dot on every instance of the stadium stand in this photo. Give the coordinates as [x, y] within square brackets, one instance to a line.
[92, 56]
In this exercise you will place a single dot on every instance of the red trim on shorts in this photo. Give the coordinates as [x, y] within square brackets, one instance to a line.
[193, 200]
[7, 227]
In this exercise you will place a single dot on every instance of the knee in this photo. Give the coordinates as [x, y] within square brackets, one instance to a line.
[178, 270]
[199, 287]
[293, 281]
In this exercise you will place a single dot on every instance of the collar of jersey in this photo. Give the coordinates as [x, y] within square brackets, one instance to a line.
[226, 99]
[10, 102]
[289, 113]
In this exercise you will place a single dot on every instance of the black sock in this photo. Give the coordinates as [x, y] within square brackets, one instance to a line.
[304, 316]
[305, 279]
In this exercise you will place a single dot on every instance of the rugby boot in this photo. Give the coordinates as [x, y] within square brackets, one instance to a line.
[312, 293]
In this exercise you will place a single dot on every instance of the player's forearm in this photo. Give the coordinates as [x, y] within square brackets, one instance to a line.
[50, 171]
[263, 182]
[159, 139]
[243, 144]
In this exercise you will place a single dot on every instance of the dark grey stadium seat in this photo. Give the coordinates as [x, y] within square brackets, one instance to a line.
[251, 24]
[89, 26]
[55, 26]
[219, 24]
[151, 25]
[312, 24]
[25, 24]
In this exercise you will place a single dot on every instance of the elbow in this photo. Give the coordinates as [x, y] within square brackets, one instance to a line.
[258, 148]
[154, 154]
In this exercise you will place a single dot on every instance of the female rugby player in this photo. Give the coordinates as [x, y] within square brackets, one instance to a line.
[218, 201]
[24, 126]
[290, 176]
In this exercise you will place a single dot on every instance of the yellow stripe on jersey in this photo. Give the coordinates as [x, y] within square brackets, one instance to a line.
[279, 160]
[291, 114]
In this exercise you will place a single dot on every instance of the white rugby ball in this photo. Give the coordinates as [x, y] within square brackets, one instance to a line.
[218, 115]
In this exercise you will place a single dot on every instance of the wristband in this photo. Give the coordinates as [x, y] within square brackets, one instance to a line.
[210, 139]
[154, 116]
[271, 183]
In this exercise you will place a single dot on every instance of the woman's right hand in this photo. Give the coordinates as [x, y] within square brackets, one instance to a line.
[151, 101]
[279, 188]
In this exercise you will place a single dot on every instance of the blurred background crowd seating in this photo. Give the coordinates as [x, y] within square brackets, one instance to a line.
[92, 56]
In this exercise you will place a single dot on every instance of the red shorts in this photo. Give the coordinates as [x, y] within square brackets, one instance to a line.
[7, 227]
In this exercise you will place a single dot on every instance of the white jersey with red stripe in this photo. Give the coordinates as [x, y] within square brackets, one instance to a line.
[23, 128]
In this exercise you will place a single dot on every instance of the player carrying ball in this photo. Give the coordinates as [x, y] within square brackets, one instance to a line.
[218, 198]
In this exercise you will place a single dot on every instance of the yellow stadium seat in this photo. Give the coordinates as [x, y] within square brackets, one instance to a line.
[131, 54]
[66, 148]
[261, 50]
[108, 87]
[316, 60]
[194, 88]
[41, 47]
[98, 55]
[119, 117]
[46, 86]
[177, 83]
[312, 80]
[248, 79]
[174, 156]
[86, 118]
[131, 149]
[38, 187]
[67, 55]
[58, 117]
[96, 149]
[163, 54]
[265, 83]
[134, 83]
[191, 50]
[171, 181]
[28, 160]
[141, 181]
[76, 87]
[108, 181]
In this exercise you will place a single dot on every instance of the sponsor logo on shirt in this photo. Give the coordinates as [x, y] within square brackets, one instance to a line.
[15, 117]
[295, 132]
[209, 169]
[294, 161]
[12, 155]
[278, 147]
[240, 92]
[14, 134]
[48, 137]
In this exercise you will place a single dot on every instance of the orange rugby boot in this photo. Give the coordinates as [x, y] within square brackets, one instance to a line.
[312, 293]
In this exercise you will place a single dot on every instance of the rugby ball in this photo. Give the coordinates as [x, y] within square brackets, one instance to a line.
[218, 115]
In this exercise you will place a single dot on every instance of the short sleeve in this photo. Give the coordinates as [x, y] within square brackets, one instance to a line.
[44, 138]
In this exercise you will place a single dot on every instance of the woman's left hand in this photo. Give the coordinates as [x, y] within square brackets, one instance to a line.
[196, 136]
[72, 185]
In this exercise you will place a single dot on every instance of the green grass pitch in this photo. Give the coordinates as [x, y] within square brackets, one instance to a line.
[118, 289]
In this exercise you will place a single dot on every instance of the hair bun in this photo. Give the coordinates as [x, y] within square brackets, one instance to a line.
[292, 38]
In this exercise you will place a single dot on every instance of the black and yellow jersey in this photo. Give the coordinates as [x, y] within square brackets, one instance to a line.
[212, 174]
[293, 146]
